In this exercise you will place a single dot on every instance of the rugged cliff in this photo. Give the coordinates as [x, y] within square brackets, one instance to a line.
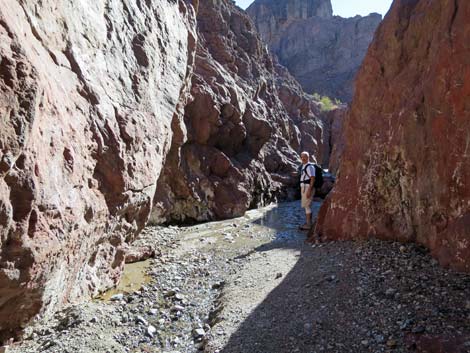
[88, 93]
[99, 104]
[243, 127]
[405, 171]
[323, 52]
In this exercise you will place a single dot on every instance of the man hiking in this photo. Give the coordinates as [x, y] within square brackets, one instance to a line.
[307, 188]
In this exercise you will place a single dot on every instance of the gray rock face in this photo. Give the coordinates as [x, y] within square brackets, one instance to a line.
[321, 51]
[88, 93]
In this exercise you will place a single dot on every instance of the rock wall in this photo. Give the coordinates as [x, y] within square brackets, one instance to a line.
[323, 52]
[405, 171]
[337, 142]
[89, 91]
[243, 128]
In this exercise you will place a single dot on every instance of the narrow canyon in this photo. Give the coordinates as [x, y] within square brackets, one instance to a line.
[149, 155]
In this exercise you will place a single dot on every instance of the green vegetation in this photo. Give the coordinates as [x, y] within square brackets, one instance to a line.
[326, 102]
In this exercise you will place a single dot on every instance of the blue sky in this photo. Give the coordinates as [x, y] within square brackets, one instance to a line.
[347, 8]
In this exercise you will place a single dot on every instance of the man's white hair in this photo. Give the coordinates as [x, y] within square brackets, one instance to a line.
[305, 153]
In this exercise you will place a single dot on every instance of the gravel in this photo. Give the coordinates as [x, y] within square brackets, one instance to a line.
[253, 285]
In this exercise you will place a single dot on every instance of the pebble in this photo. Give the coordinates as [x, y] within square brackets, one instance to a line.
[418, 329]
[406, 324]
[153, 312]
[199, 332]
[139, 319]
[169, 293]
[151, 330]
[179, 296]
[379, 338]
[117, 297]
[177, 308]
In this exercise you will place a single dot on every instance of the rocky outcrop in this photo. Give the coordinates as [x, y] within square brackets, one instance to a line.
[88, 94]
[243, 128]
[323, 52]
[405, 172]
[337, 142]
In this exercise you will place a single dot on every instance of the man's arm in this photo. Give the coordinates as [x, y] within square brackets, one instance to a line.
[310, 187]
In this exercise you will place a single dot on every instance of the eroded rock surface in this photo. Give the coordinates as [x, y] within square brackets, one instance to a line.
[336, 119]
[323, 52]
[88, 93]
[405, 172]
[246, 122]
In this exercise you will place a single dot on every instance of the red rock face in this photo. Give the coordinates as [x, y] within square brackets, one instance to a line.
[337, 142]
[88, 93]
[243, 127]
[405, 172]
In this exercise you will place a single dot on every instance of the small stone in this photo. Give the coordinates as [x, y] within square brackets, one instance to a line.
[177, 308]
[278, 275]
[391, 343]
[365, 343]
[179, 296]
[402, 249]
[151, 330]
[169, 293]
[139, 319]
[418, 329]
[217, 285]
[406, 324]
[379, 338]
[331, 278]
[117, 297]
[153, 312]
[199, 332]
[93, 320]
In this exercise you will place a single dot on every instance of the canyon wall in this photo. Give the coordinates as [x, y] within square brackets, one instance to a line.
[89, 91]
[323, 52]
[243, 128]
[405, 170]
[111, 107]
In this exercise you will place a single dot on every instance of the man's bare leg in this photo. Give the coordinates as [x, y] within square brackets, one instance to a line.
[308, 217]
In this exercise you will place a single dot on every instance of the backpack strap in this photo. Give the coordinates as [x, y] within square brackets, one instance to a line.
[304, 170]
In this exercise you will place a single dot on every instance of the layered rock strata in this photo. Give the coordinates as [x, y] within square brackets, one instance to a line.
[89, 91]
[405, 170]
[323, 52]
[243, 128]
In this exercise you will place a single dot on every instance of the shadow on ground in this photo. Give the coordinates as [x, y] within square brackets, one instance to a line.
[353, 297]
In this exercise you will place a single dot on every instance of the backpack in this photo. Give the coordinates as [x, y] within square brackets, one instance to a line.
[318, 175]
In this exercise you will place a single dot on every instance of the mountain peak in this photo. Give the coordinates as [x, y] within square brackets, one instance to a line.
[292, 9]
